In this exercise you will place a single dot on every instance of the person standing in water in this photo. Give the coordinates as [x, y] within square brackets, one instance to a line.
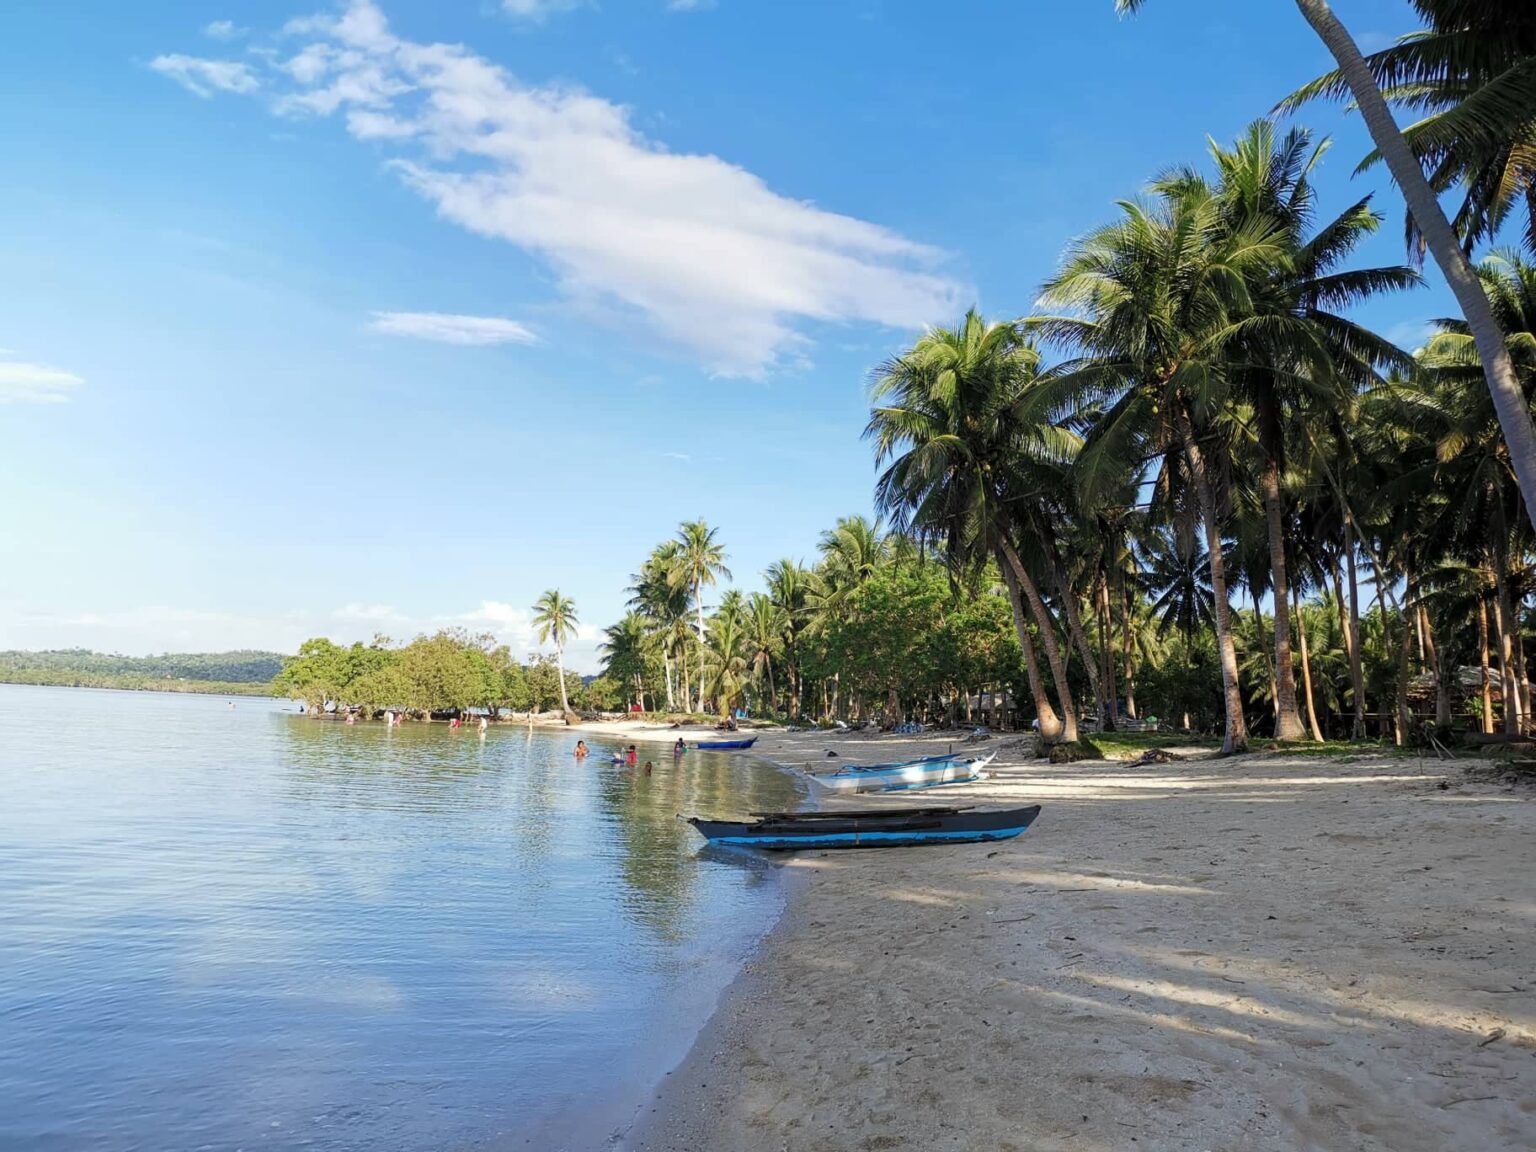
[484, 724]
[649, 767]
[631, 756]
[679, 748]
[581, 749]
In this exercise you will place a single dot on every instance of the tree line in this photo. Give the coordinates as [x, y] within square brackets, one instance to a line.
[224, 673]
[451, 671]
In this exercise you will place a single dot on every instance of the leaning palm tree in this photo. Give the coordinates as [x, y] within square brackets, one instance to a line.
[554, 616]
[1355, 77]
[948, 431]
[699, 560]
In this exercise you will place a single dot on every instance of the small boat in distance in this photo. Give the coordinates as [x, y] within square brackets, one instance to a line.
[929, 772]
[869, 828]
[725, 745]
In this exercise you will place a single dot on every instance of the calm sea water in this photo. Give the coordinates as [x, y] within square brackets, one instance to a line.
[235, 928]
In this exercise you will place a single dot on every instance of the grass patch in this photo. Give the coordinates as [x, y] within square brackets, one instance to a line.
[1139, 742]
[1332, 749]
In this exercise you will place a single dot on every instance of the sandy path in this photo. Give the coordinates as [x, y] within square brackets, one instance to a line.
[1264, 954]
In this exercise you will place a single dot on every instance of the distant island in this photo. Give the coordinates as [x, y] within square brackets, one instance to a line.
[241, 673]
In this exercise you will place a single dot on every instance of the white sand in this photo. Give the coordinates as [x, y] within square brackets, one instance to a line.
[1224, 955]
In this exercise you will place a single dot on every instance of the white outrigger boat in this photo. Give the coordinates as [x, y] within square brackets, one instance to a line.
[929, 772]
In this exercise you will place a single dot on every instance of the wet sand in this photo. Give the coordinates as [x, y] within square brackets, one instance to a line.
[1260, 954]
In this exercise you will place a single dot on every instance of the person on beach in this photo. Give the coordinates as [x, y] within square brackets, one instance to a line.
[632, 756]
[679, 748]
[581, 749]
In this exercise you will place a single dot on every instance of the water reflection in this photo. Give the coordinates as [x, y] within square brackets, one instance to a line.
[225, 928]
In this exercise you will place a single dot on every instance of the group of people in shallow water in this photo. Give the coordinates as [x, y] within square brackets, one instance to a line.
[393, 719]
[630, 757]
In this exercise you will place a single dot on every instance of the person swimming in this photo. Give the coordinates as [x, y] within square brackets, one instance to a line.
[581, 749]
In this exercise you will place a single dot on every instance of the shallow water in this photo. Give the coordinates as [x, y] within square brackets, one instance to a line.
[226, 928]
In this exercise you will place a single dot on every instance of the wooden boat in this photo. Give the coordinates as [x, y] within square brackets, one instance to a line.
[869, 828]
[929, 772]
[725, 745]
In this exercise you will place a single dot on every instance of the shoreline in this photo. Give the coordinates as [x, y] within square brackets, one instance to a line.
[1263, 953]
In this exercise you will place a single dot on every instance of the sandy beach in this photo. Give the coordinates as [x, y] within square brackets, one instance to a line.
[1264, 953]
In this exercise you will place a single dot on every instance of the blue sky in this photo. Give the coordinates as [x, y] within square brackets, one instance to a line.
[390, 315]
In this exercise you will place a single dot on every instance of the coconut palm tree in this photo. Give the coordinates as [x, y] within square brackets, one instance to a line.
[1151, 305]
[1296, 353]
[554, 616]
[1355, 77]
[1472, 69]
[664, 606]
[1440, 237]
[952, 419]
[765, 625]
[699, 560]
[790, 588]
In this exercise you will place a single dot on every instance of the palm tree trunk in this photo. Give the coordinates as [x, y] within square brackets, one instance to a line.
[1047, 628]
[1258, 640]
[1127, 657]
[1485, 681]
[1235, 737]
[1287, 717]
[1107, 646]
[565, 705]
[1509, 679]
[1306, 667]
[1436, 669]
[1050, 723]
[1356, 656]
[1404, 659]
[1074, 624]
[698, 603]
[1386, 653]
[1524, 674]
[1508, 397]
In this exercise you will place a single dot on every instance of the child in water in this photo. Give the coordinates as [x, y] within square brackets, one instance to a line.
[581, 749]
[648, 767]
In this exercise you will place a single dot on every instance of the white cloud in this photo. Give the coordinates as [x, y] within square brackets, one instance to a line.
[224, 30]
[699, 249]
[539, 10]
[205, 77]
[23, 383]
[689, 5]
[450, 329]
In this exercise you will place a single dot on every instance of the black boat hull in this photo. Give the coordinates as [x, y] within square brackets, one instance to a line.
[895, 829]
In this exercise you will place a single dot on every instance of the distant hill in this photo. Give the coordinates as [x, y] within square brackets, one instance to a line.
[220, 672]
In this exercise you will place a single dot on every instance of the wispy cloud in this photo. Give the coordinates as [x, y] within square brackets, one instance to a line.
[689, 5]
[539, 10]
[1411, 334]
[699, 249]
[376, 613]
[205, 77]
[23, 383]
[450, 329]
[676, 456]
[224, 30]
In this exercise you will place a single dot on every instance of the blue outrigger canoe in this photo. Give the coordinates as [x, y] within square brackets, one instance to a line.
[724, 745]
[870, 828]
[927, 772]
